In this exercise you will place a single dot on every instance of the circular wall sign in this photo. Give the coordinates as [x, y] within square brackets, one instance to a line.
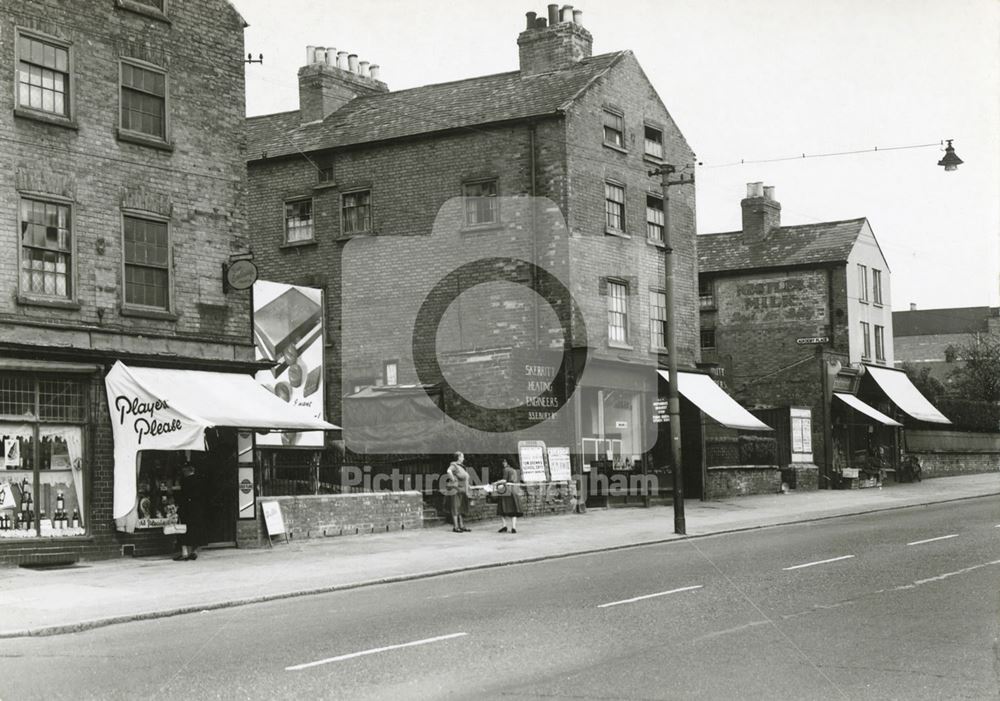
[241, 274]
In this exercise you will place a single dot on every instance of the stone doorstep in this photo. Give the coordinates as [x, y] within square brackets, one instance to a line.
[50, 558]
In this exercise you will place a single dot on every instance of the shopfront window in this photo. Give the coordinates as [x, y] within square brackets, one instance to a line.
[41, 456]
[157, 487]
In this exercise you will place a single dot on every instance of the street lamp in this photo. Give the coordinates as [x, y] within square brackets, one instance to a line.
[673, 398]
[950, 160]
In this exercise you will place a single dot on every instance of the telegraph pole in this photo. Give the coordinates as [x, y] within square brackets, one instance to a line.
[673, 398]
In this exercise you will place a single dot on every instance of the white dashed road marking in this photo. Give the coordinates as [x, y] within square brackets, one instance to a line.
[818, 562]
[931, 540]
[339, 658]
[649, 596]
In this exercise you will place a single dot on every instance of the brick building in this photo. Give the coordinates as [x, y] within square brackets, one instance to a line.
[932, 338]
[375, 196]
[797, 320]
[122, 124]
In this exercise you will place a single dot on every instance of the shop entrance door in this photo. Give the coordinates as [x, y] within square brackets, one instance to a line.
[220, 480]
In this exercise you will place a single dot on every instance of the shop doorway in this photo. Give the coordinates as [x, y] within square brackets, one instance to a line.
[219, 469]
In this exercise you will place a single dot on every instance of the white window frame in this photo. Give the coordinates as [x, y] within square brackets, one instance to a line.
[657, 317]
[312, 220]
[866, 340]
[877, 287]
[71, 274]
[369, 225]
[137, 134]
[623, 205]
[605, 127]
[652, 220]
[618, 309]
[493, 200]
[169, 267]
[70, 94]
[862, 283]
[657, 146]
[879, 343]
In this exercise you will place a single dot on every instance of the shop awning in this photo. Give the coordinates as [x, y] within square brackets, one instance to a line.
[902, 393]
[702, 391]
[165, 409]
[869, 411]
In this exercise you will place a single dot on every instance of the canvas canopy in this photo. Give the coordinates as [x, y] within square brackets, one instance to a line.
[902, 393]
[869, 411]
[166, 409]
[703, 392]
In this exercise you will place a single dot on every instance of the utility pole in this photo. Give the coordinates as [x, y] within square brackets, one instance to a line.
[673, 398]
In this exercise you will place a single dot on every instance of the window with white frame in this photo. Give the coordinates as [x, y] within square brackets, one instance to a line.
[879, 343]
[653, 142]
[876, 286]
[614, 206]
[614, 128]
[299, 221]
[654, 218]
[356, 212]
[144, 100]
[390, 373]
[43, 75]
[46, 249]
[617, 312]
[657, 319]
[481, 203]
[862, 283]
[866, 340]
[147, 263]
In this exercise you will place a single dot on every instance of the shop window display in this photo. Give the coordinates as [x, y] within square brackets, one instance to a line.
[41, 457]
[158, 487]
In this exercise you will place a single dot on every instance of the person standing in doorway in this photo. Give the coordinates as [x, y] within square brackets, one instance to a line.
[508, 494]
[457, 493]
[191, 512]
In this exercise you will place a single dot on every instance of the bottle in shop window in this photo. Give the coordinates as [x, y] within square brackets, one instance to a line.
[76, 518]
[60, 502]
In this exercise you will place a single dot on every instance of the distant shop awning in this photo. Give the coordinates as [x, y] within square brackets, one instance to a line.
[869, 411]
[702, 391]
[166, 409]
[902, 393]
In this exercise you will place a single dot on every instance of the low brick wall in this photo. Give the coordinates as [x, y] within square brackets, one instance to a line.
[536, 500]
[803, 477]
[329, 515]
[953, 464]
[742, 480]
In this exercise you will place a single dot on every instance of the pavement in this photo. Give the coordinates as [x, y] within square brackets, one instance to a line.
[94, 594]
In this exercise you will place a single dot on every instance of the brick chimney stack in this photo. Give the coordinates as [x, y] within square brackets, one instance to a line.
[555, 43]
[761, 212]
[330, 79]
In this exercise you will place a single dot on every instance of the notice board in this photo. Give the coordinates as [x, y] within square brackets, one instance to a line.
[273, 520]
[559, 465]
[532, 458]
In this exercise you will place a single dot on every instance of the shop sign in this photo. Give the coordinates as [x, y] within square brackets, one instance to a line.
[559, 465]
[245, 495]
[531, 455]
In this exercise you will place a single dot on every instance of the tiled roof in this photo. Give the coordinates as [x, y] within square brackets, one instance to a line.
[827, 242]
[934, 322]
[463, 103]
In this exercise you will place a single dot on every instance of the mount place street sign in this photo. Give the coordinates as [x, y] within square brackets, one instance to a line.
[812, 340]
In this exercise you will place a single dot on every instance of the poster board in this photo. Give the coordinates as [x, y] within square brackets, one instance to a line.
[531, 455]
[560, 469]
[273, 520]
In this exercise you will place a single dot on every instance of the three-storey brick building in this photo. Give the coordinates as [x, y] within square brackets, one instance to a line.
[122, 124]
[378, 196]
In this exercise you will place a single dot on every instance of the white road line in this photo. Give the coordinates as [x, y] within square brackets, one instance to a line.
[953, 574]
[339, 658]
[649, 596]
[818, 562]
[931, 540]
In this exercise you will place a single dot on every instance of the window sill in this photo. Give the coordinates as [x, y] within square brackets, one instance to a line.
[52, 303]
[143, 139]
[877, 304]
[615, 147]
[481, 228]
[655, 243]
[325, 186]
[617, 233]
[46, 118]
[863, 301]
[655, 160]
[618, 345]
[140, 312]
[141, 9]
[299, 244]
[353, 234]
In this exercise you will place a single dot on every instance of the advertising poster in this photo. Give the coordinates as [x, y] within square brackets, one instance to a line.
[288, 331]
[559, 465]
[532, 459]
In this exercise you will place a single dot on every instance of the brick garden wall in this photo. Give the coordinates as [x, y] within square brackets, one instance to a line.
[744, 480]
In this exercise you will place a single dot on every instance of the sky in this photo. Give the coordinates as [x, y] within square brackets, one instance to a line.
[745, 80]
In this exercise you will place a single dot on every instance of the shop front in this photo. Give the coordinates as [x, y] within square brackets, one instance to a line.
[164, 419]
[865, 442]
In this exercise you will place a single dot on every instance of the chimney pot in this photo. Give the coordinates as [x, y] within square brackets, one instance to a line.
[566, 13]
[755, 190]
[352, 63]
[331, 56]
[530, 24]
[540, 23]
[913, 306]
[769, 192]
[363, 66]
[553, 14]
[578, 17]
[342, 60]
[310, 55]
[373, 71]
[320, 54]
